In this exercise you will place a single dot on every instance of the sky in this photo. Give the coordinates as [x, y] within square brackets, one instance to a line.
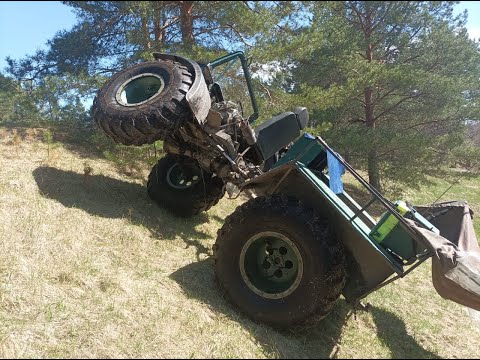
[26, 26]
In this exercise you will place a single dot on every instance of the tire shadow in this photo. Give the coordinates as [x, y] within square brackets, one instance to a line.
[111, 198]
[197, 280]
[321, 340]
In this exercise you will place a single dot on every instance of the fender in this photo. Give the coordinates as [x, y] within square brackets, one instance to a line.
[198, 97]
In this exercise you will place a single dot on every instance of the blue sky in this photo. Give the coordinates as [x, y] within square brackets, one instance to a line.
[26, 26]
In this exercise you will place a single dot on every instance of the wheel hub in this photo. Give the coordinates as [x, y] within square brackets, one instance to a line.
[182, 176]
[140, 89]
[271, 265]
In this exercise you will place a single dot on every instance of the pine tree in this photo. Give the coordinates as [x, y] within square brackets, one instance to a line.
[396, 80]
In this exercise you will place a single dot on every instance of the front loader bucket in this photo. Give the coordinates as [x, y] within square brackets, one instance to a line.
[456, 253]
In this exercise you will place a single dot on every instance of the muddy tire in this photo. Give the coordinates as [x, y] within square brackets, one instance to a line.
[278, 261]
[144, 103]
[179, 185]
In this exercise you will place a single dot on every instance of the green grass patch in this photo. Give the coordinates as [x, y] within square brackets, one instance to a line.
[90, 267]
[459, 184]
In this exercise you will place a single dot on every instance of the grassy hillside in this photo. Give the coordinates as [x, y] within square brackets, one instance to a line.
[90, 267]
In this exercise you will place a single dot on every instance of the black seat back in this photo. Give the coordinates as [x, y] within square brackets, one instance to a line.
[276, 133]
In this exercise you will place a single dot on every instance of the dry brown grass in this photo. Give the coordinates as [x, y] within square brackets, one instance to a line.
[89, 267]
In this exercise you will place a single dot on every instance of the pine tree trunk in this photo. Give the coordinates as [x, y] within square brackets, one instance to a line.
[373, 169]
[372, 157]
[146, 32]
[186, 23]
[159, 33]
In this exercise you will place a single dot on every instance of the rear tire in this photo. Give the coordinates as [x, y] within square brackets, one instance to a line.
[278, 261]
[179, 185]
[144, 103]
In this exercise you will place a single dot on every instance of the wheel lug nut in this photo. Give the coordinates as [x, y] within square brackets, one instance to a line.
[266, 265]
[288, 264]
[282, 251]
[278, 273]
[269, 250]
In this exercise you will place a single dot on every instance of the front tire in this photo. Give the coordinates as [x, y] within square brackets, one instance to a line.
[178, 184]
[144, 103]
[279, 262]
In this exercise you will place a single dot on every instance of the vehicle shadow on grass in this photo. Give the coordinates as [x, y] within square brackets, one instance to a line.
[322, 340]
[197, 281]
[392, 331]
[112, 198]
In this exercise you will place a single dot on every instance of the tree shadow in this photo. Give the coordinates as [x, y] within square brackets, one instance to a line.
[320, 340]
[111, 198]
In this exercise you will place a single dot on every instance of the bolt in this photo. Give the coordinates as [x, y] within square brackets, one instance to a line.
[282, 251]
[278, 273]
[269, 250]
[288, 264]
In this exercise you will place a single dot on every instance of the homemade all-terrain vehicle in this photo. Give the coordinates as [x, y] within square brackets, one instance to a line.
[301, 241]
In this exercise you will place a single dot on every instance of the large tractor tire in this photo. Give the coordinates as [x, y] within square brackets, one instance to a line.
[279, 262]
[144, 103]
[179, 185]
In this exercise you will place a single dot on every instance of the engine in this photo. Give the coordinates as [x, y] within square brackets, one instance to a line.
[224, 144]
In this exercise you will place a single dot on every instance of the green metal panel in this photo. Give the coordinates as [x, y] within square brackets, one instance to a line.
[369, 263]
[305, 149]
[362, 229]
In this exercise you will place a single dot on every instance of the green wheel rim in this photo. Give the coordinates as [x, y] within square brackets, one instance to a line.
[271, 265]
[182, 176]
[140, 89]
